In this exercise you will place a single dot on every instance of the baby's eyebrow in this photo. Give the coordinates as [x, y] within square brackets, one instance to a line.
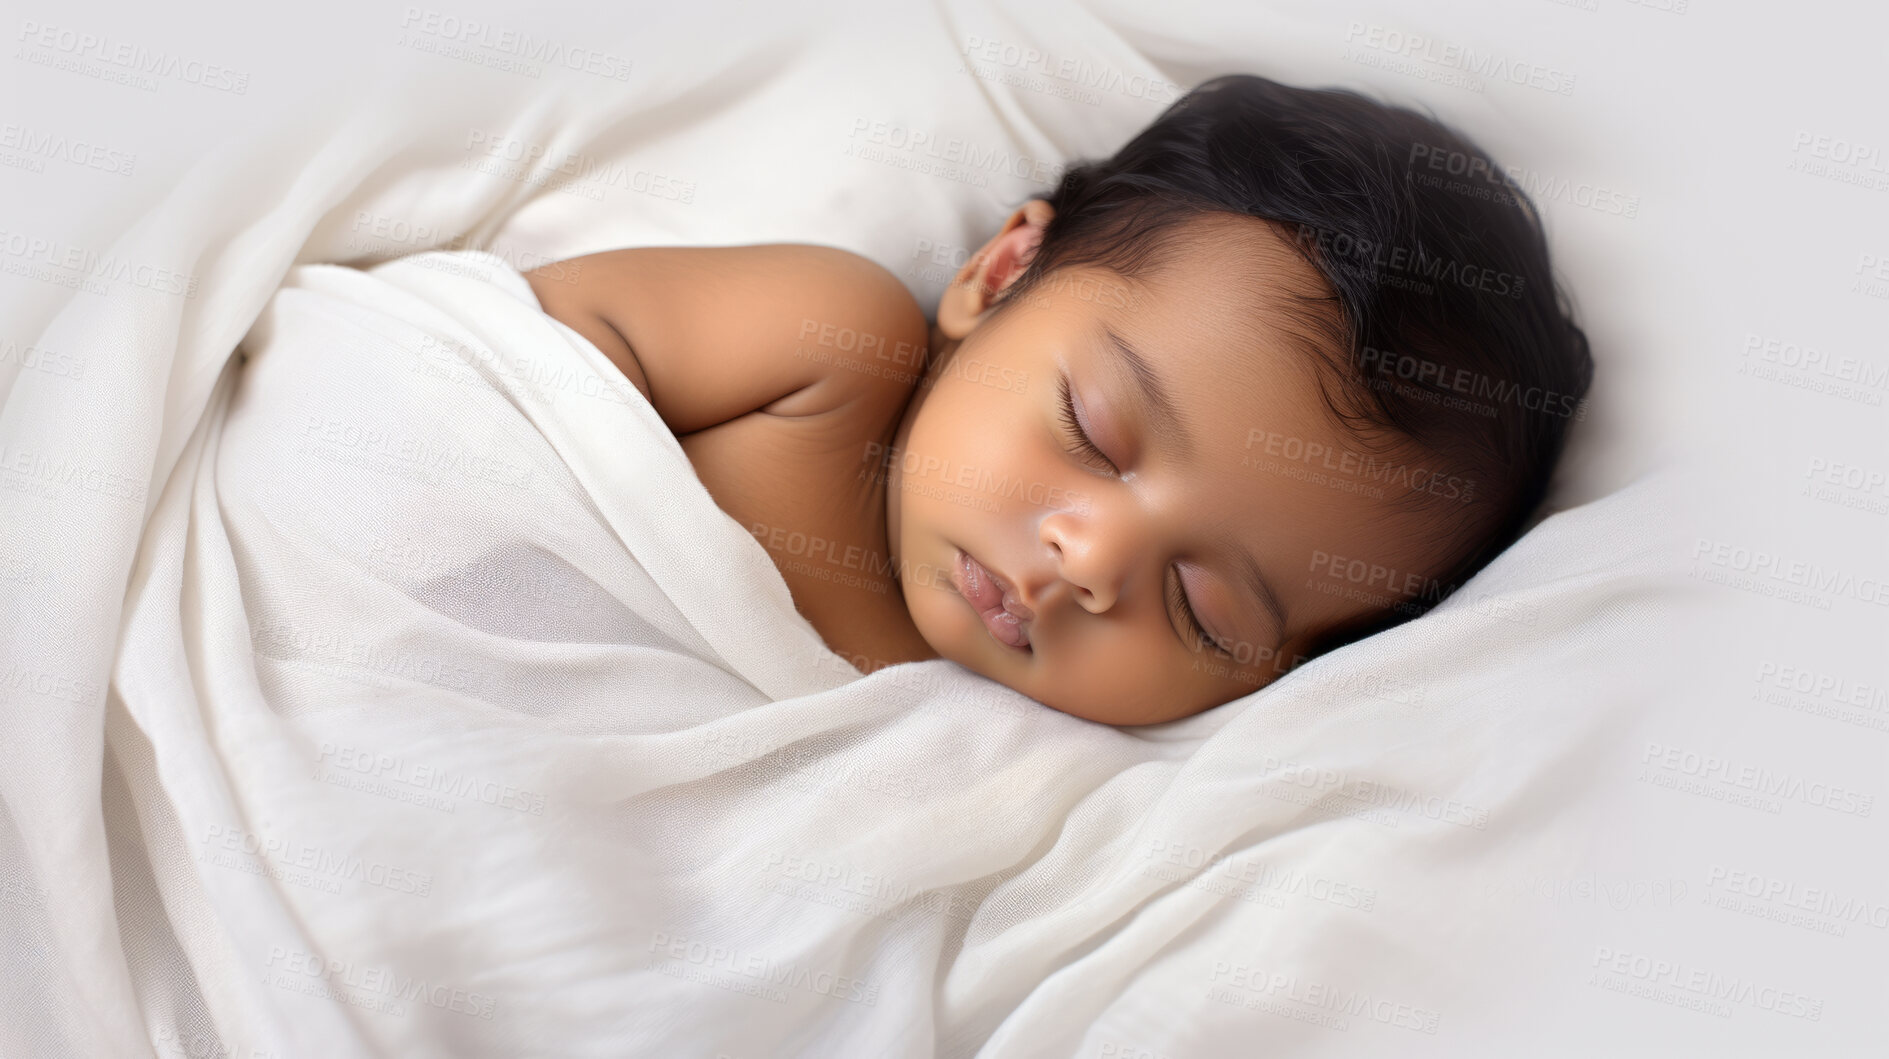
[1161, 413]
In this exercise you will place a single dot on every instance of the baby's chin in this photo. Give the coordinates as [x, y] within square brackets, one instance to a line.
[957, 641]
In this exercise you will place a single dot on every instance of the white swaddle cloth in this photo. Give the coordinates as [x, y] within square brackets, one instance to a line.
[488, 606]
[482, 731]
[497, 405]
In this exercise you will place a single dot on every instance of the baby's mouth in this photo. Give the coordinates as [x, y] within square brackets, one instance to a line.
[1004, 615]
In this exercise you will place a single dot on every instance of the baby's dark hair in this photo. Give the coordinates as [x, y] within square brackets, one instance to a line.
[1442, 336]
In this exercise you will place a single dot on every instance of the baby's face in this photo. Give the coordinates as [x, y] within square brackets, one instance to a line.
[1084, 564]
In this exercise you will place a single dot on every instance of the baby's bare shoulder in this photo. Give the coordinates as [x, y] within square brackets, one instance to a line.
[790, 329]
[863, 323]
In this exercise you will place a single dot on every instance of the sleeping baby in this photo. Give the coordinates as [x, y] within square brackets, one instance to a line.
[1283, 372]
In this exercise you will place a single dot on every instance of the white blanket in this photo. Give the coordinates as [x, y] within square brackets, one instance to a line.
[401, 692]
[504, 730]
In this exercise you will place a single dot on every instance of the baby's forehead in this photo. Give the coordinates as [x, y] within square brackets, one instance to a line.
[1222, 249]
[1219, 338]
[1258, 377]
[1231, 283]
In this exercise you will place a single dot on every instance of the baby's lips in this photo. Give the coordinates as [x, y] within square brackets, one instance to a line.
[1008, 628]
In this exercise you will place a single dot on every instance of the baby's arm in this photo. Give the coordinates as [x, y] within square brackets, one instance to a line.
[709, 334]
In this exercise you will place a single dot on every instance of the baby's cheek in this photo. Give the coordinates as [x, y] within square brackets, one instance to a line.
[1108, 686]
[941, 616]
[979, 427]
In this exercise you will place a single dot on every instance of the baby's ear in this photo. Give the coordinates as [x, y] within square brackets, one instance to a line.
[992, 269]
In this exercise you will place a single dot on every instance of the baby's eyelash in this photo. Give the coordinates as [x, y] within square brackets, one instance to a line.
[1084, 447]
[1178, 597]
